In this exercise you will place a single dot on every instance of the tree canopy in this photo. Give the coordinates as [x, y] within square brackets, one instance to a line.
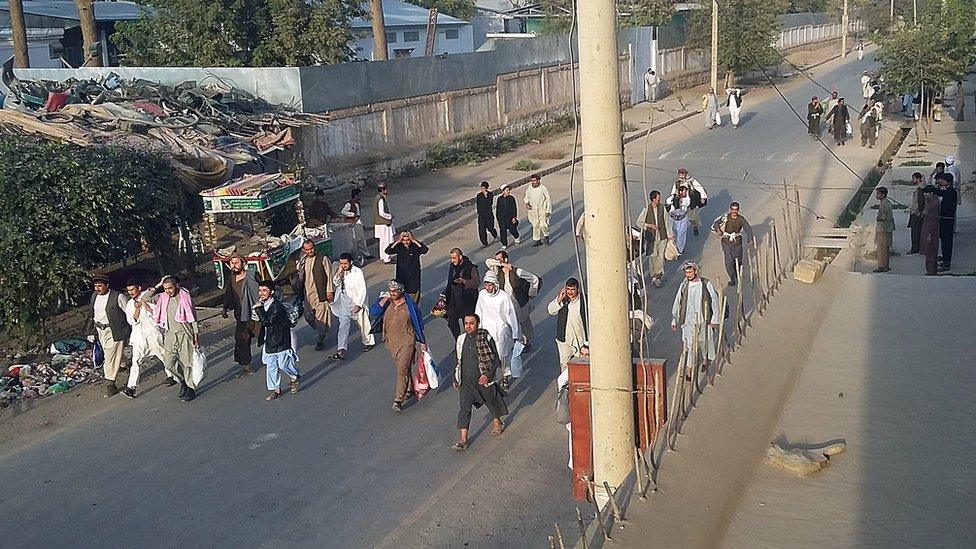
[746, 28]
[239, 33]
[631, 13]
[65, 210]
[462, 9]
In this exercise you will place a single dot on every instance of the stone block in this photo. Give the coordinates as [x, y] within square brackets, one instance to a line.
[809, 270]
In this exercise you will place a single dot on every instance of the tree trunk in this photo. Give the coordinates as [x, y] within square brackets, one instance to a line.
[19, 31]
[89, 32]
[379, 30]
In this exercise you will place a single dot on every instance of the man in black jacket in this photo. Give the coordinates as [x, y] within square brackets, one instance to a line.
[275, 337]
[947, 217]
[461, 293]
[408, 250]
[506, 211]
[486, 217]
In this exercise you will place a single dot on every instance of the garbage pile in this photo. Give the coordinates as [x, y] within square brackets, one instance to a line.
[46, 375]
[209, 127]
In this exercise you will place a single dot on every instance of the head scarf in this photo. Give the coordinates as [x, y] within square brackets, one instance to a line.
[394, 285]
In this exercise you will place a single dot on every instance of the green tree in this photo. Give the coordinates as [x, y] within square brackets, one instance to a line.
[746, 30]
[239, 33]
[631, 13]
[65, 210]
[462, 9]
[807, 6]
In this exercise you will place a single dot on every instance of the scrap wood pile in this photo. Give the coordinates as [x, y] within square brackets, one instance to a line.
[208, 127]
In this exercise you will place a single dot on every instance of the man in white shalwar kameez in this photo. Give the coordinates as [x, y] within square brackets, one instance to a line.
[349, 304]
[497, 313]
[734, 102]
[539, 207]
[696, 311]
[679, 205]
[383, 222]
[146, 339]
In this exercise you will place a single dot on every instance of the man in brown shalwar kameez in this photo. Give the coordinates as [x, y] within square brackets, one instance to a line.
[930, 230]
[401, 325]
[313, 281]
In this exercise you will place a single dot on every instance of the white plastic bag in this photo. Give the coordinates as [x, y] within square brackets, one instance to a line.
[433, 378]
[850, 130]
[718, 118]
[199, 366]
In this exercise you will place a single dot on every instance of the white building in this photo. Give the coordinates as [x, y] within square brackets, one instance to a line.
[406, 32]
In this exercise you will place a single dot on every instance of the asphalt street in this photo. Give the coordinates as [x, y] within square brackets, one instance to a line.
[333, 466]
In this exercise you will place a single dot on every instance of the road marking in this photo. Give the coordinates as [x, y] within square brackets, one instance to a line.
[771, 157]
[792, 157]
[726, 155]
[665, 155]
[686, 155]
[262, 439]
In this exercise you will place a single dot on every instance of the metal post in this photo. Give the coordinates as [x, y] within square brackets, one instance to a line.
[714, 45]
[843, 36]
[603, 192]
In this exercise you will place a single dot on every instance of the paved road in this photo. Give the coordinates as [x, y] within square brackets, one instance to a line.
[332, 466]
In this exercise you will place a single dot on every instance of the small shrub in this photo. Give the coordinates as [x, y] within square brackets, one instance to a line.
[916, 163]
[549, 154]
[627, 127]
[525, 165]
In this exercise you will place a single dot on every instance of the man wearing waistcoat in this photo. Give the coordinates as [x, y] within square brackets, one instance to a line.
[383, 221]
[656, 233]
[569, 308]
[106, 316]
[696, 312]
[313, 282]
[731, 228]
[352, 212]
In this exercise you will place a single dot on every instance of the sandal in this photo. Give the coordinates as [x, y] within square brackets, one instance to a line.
[496, 432]
[273, 395]
[459, 447]
[338, 356]
[294, 385]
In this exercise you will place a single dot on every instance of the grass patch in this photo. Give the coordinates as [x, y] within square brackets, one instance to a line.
[475, 149]
[916, 163]
[860, 198]
[525, 166]
[549, 154]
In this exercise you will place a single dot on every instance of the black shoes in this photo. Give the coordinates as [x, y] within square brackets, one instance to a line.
[536, 243]
[367, 348]
[506, 382]
[169, 382]
[243, 372]
[129, 392]
[183, 390]
[696, 231]
[546, 241]
[731, 283]
[110, 389]
[189, 395]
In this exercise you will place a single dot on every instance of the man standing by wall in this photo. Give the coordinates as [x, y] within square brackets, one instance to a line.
[353, 214]
[883, 229]
[313, 281]
[539, 205]
[915, 212]
[350, 304]
[106, 316]
[656, 233]
[486, 217]
[651, 82]
[240, 295]
[461, 292]
[730, 228]
[506, 211]
[145, 339]
[176, 316]
[569, 308]
[407, 251]
[383, 221]
[947, 217]
[275, 341]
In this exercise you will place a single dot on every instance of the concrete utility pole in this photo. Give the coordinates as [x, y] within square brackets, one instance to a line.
[714, 45]
[19, 34]
[891, 11]
[611, 376]
[89, 32]
[843, 37]
[379, 30]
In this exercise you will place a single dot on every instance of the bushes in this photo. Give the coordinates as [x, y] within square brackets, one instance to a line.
[478, 148]
[65, 210]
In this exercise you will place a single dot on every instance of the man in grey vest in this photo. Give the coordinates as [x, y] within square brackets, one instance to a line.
[656, 233]
[732, 228]
[696, 312]
[106, 316]
[240, 295]
[383, 221]
[569, 308]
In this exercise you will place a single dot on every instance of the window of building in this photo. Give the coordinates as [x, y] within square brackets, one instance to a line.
[391, 38]
[451, 34]
[411, 36]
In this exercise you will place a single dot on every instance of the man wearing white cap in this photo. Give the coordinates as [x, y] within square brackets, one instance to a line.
[497, 313]
[953, 168]
[383, 222]
[539, 206]
[696, 312]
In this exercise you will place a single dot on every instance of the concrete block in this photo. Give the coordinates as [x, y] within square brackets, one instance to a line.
[809, 270]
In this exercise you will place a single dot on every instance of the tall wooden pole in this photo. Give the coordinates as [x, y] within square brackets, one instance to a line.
[714, 79]
[379, 30]
[611, 376]
[843, 37]
[89, 32]
[19, 34]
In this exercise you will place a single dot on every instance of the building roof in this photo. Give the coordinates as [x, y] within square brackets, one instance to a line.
[397, 13]
[67, 10]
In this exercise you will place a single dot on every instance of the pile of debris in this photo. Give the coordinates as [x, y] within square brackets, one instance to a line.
[208, 127]
[47, 375]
